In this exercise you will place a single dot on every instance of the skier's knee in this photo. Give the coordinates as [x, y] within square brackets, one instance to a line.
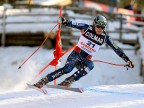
[67, 69]
[90, 66]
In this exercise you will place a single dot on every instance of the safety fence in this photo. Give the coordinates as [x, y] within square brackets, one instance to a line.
[11, 34]
[141, 51]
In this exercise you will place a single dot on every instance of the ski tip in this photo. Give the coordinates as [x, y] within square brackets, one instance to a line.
[44, 91]
[28, 84]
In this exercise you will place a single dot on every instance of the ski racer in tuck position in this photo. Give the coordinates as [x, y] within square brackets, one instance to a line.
[91, 39]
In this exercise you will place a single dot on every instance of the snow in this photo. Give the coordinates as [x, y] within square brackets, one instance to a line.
[103, 74]
[113, 96]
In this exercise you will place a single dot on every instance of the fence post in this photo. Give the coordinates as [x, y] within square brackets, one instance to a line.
[121, 27]
[93, 14]
[4, 28]
[29, 6]
[142, 69]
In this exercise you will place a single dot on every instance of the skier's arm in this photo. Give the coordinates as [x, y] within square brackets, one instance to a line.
[69, 23]
[117, 50]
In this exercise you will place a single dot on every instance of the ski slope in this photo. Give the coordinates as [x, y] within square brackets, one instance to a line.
[112, 96]
[12, 78]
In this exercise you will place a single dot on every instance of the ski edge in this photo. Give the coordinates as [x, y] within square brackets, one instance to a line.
[78, 90]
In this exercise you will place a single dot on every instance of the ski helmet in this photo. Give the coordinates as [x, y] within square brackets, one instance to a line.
[100, 20]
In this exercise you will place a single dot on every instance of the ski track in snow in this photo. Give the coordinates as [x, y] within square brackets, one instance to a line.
[113, 96]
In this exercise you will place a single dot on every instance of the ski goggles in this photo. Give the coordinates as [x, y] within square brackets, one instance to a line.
[98, 26]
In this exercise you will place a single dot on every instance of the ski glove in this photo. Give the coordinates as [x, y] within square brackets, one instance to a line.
[62, 20]
[130, 64]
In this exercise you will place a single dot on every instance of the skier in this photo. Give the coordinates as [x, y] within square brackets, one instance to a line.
[91, 39]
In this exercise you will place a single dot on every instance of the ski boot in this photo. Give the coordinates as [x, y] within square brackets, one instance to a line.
[41, 82]
[67, 82]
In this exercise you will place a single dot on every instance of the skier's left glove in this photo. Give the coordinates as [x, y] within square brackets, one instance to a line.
[62, 20]
[130, 64]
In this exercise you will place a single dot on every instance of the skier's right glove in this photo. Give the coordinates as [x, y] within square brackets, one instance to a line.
[130, 64]
[62, 20]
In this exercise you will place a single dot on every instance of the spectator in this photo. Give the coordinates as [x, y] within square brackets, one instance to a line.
[129, 6]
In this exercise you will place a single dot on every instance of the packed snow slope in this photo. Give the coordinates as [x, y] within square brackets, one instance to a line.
[110, 95]
[12, 78]
[122, 96]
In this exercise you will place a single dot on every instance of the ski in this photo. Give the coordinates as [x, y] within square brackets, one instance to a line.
[79, 90]
[36, 88]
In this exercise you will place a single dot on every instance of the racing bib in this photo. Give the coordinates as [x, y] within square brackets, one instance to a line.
[88, 46]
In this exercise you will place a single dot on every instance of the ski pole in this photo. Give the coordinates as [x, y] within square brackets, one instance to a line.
[109, 63]
[37, 48]
[55, 79]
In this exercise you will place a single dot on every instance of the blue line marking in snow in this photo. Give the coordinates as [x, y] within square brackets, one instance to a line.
[114, 92]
